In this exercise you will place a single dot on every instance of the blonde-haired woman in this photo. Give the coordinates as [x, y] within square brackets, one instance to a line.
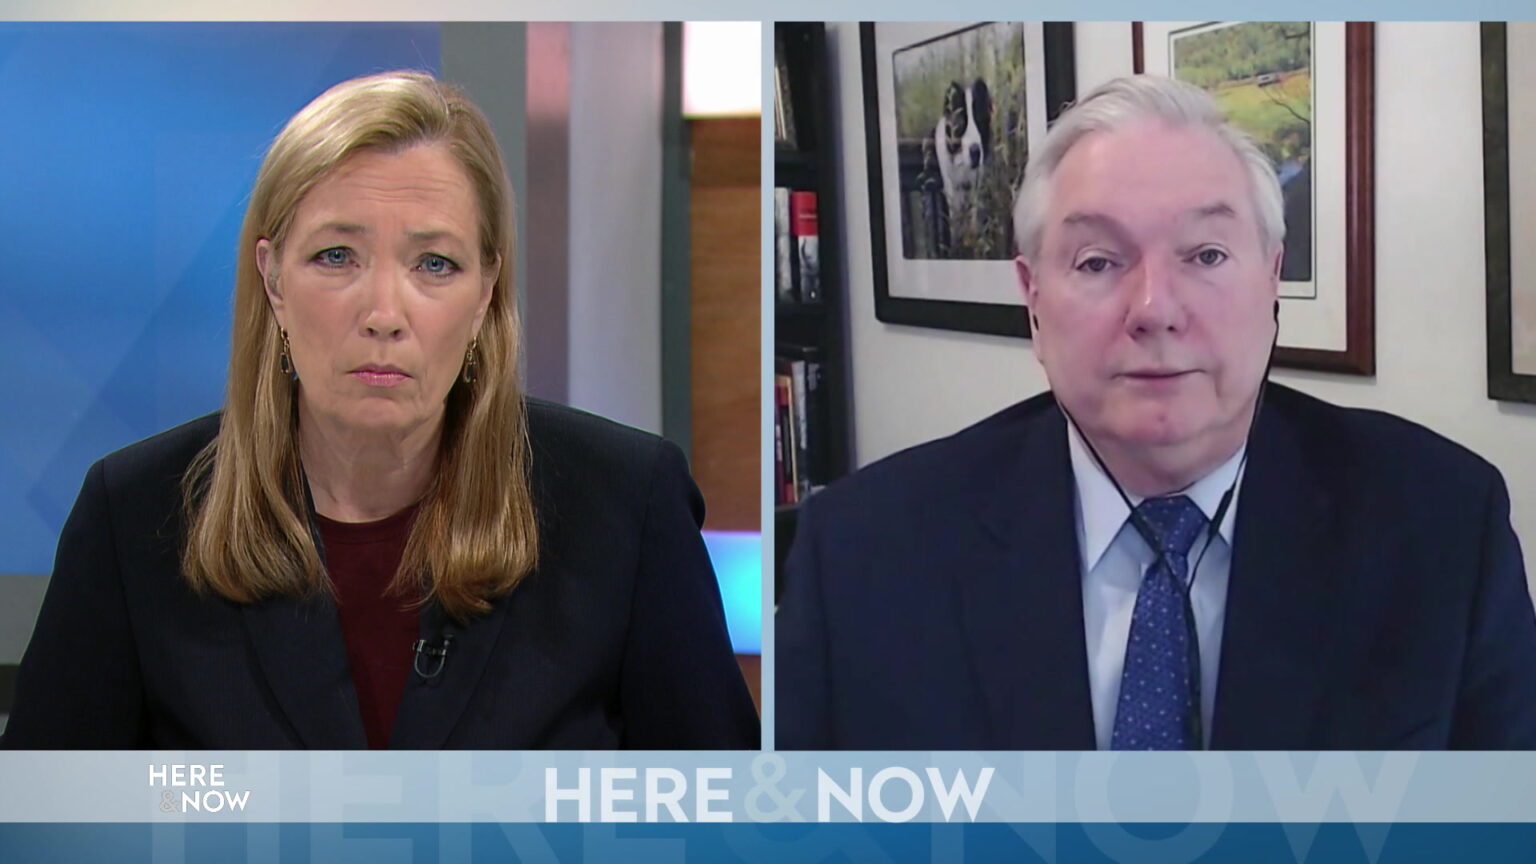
[379, 541]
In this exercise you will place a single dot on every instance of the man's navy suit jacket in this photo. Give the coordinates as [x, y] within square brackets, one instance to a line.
[1377, 598]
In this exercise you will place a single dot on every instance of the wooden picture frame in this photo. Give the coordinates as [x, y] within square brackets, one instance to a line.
[925, 274]
[1509, 199]
[1332, 328]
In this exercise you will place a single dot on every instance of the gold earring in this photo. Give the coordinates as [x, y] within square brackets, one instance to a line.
[285, 358]
[469, 361]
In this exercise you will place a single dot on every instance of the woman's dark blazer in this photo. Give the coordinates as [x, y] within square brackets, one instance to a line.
[617, 639]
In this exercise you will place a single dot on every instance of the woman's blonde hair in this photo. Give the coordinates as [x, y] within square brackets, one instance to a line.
[248, 530]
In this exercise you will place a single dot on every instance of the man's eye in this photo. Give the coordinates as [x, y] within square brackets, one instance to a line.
[437, 265]
[336, 256]
[1095, 264]
[1210, 257]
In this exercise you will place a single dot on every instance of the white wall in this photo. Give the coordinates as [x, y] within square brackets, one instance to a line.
[615, 222]
[913, 384]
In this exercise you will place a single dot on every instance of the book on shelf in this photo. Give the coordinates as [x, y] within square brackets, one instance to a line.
[783, 105]
[778, 447]
[804, 443]
[807, 245]
[783, 246]
[796, 450]
[784, 437]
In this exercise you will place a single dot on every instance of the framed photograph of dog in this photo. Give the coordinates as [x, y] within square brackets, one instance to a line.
[1306, 94]
[1509, 197]
[950, 111]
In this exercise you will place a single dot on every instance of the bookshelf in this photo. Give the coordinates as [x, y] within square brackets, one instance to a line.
[813, 332]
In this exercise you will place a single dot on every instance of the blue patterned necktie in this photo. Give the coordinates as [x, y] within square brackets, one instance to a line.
[1155, 693]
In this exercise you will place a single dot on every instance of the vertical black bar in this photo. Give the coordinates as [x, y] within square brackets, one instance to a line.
[676, 292]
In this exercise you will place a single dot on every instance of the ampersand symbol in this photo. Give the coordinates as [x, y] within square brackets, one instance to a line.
[768, 770]
[168, 801]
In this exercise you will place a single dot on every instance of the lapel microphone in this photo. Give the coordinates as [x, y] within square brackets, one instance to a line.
[436, 654]
[1194, 720]
[432, 654]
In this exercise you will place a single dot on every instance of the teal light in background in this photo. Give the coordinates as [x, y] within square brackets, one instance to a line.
[738, 560]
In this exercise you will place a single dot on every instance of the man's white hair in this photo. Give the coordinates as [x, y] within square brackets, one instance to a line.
[1122, 102]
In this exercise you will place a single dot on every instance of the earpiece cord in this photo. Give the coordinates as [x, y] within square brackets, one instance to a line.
[1195, 719]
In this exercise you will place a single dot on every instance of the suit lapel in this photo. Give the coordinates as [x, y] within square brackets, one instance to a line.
[299, 647]
[431, 706]
[1281, 602]
[1021, 596]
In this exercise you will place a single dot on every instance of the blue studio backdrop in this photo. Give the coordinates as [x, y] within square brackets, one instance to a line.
[128, 157]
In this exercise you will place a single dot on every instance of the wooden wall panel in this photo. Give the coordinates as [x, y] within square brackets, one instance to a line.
[725, 212]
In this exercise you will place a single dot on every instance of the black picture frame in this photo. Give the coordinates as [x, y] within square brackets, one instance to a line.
[975, 317]
[1504, 383]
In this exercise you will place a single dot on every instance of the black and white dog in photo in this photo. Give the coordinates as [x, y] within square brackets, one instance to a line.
[963, 142]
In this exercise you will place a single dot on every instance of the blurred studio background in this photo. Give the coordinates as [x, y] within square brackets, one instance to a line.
[633, 151]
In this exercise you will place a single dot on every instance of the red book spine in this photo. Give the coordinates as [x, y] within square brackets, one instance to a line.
[802, 213]
[782, 398]
[803, 227]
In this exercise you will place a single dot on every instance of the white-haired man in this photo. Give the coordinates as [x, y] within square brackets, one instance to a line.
[1165, 551]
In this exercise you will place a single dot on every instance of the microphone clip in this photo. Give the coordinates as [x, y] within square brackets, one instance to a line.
[437, 652]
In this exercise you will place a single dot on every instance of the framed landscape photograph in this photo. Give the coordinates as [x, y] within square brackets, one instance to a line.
[1509, 183]
[950, 113]
[1305, 92]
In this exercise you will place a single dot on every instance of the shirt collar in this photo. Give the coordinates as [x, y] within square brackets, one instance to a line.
[1101, 513]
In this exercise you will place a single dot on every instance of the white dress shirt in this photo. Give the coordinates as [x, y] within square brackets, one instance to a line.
[1115, 558]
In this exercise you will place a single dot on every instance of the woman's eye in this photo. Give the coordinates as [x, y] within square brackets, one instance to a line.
[1210, 257]
[337, 256]
[437, 265]
[1095, 264]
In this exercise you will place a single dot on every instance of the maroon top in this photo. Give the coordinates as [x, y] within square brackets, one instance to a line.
[379, 630]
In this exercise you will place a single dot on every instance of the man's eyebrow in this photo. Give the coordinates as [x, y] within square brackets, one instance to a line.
[1094, 220]
[1219, 209]
[1079, 217]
